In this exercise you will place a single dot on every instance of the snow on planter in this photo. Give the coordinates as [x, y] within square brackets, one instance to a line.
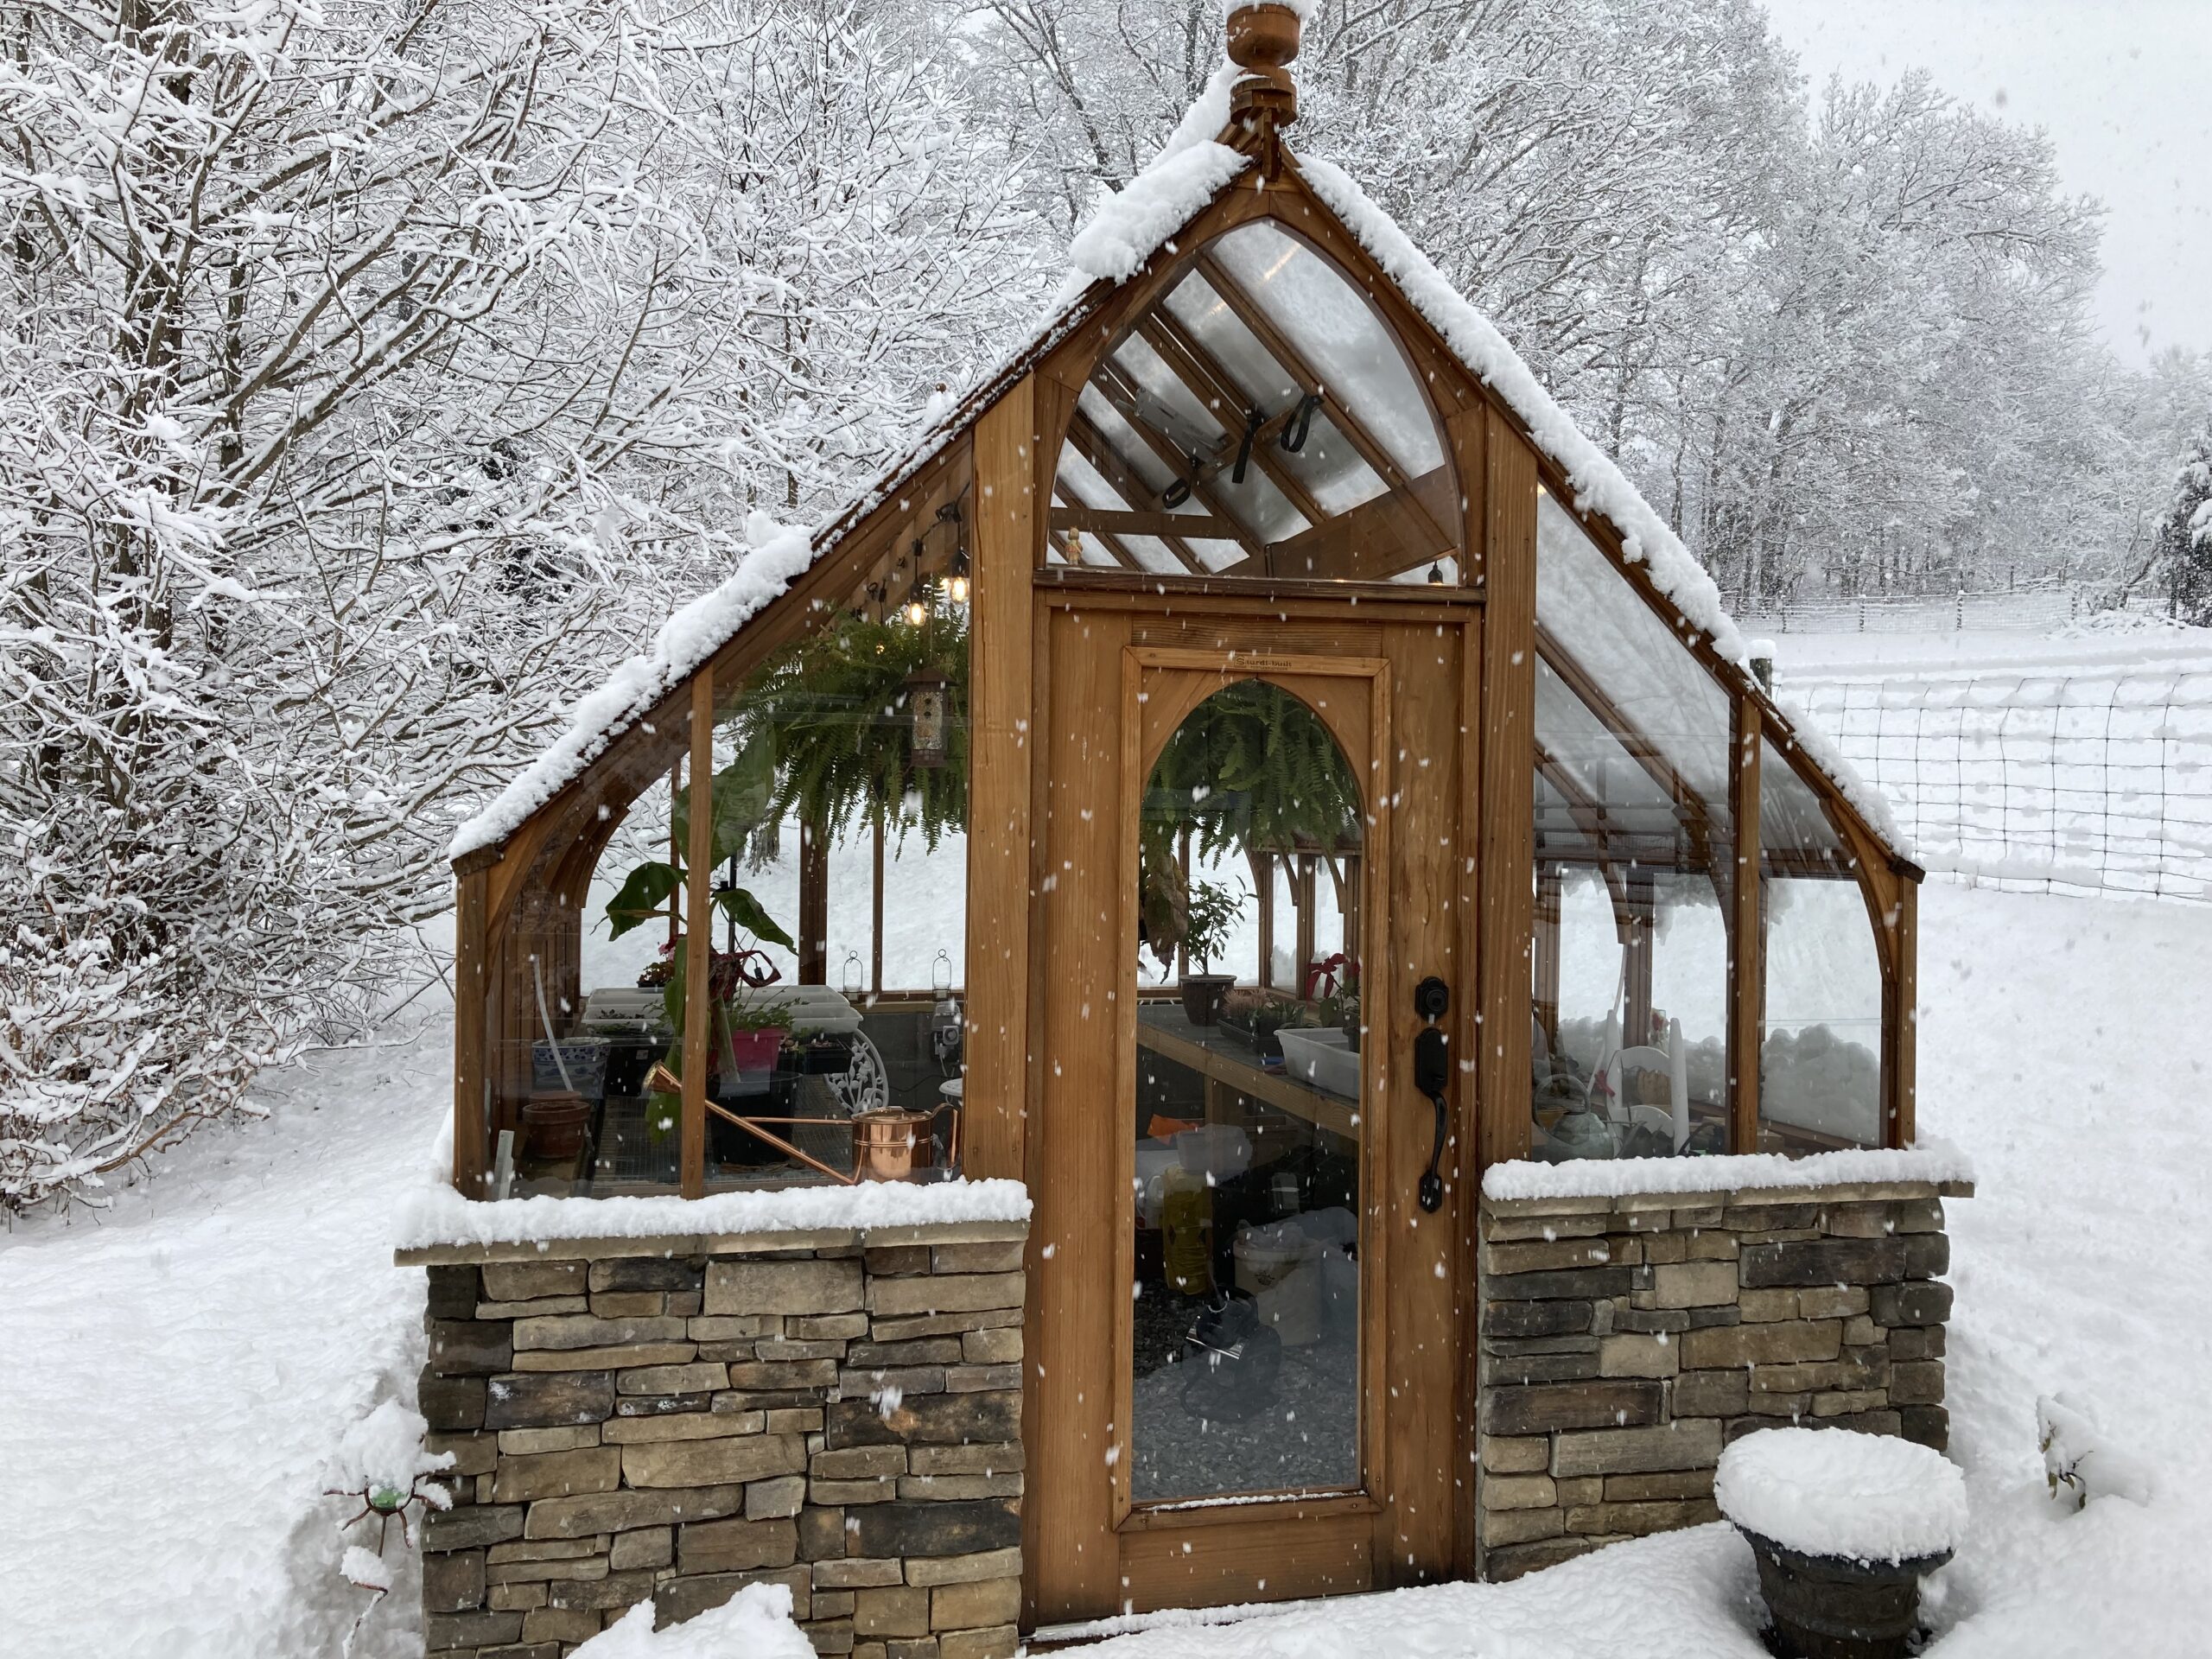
[1840, 1494]
[755, 1623]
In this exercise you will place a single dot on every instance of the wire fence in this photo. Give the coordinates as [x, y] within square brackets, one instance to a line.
[2031, 608]
[2088, 777]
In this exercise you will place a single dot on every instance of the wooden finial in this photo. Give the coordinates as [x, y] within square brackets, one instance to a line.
[1262, 40]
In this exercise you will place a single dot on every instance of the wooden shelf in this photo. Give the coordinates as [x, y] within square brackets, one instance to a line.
[1218, 1055]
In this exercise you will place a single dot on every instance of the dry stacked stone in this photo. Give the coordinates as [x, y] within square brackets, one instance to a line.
[838, 1411]
[1625, 1340]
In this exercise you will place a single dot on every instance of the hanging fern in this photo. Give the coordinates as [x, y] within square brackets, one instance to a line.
[833, 710]
[1253, 768]
[1250, 769]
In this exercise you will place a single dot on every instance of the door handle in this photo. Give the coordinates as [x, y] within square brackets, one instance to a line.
[1433, 1077]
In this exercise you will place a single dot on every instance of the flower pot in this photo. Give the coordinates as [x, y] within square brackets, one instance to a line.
[753, 1058]
[1202, 995]
[1832, 1607]
[554, 1122]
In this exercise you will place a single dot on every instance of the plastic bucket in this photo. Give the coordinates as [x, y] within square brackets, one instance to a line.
[1279, 1268]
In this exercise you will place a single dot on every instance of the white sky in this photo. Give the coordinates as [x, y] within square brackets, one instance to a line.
[2124, 87]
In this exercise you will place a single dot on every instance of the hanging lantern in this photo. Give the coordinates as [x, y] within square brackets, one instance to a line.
[955, 582]
[928, 708]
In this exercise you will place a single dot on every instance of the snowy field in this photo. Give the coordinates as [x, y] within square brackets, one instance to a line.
[173, 1373]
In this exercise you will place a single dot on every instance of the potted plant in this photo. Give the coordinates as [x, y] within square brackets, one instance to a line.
[751, 1035]
[1842, 1526]
[1208, 914]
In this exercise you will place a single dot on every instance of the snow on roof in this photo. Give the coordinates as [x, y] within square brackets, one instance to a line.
[1127, 229]
[1837, 1492]
[776, 556]
[1600, 487]
[1932, 1160]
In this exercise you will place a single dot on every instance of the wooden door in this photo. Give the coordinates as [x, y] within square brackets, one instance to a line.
[1120, 1514]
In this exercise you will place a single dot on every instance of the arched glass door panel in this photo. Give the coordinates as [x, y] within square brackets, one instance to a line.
[1247, 1115]
[1260, 422]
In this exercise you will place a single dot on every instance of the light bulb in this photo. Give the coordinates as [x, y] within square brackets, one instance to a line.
[957, 590]
[916, 613]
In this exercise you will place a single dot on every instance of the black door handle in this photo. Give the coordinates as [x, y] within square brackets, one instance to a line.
[1433, 1077]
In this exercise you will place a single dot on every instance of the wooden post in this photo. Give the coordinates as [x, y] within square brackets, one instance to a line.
[875, 914]
[1746, 939]
[1904, 1015]
[813, 905]
[470, 1089]
[1263, 887]
[1302, 896]
[1506, 802]
[999, 658]
[698, 937]
[1642, 905]
[675, 852]
[1550, 886]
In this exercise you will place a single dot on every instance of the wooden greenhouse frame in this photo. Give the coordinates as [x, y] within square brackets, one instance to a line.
[1065, 657]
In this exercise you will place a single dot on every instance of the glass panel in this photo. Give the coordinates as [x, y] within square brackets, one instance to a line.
[1247, 1115]
[1820, 1038]
[1635, 844]
[818, 1010]
[1264, 398]
[1333, 327]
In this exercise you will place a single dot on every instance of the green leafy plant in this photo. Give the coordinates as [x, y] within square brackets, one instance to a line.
[1209, 914]
[758, 1017]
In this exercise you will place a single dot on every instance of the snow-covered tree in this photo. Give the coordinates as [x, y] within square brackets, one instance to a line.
[2184, 534]
[370, 375]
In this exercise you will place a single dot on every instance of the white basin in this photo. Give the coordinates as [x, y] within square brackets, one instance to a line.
[1323, 1058]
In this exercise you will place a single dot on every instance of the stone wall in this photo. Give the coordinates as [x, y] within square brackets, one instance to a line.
[1625, 1340]
[838, 1411]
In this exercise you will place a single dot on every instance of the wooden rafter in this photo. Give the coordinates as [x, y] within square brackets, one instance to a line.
[1638, 747]
[1293, 361]
[1122, 396]
[1348, 542]
[1123, 479]
[1162, 526]
[1588, 811]
[1215, 389]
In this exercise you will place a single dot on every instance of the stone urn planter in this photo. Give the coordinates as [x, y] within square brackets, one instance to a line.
[1843, 1526]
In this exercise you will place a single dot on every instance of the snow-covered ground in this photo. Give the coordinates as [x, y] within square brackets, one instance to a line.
[173, 1373]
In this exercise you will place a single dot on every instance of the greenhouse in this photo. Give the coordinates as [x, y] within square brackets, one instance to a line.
[1256, 777]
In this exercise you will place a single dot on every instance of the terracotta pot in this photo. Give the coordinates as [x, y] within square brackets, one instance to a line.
[1202, 994]
[1831, 1607]
[554, 1123]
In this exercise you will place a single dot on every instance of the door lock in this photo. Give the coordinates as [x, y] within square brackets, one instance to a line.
[1433, 1077]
